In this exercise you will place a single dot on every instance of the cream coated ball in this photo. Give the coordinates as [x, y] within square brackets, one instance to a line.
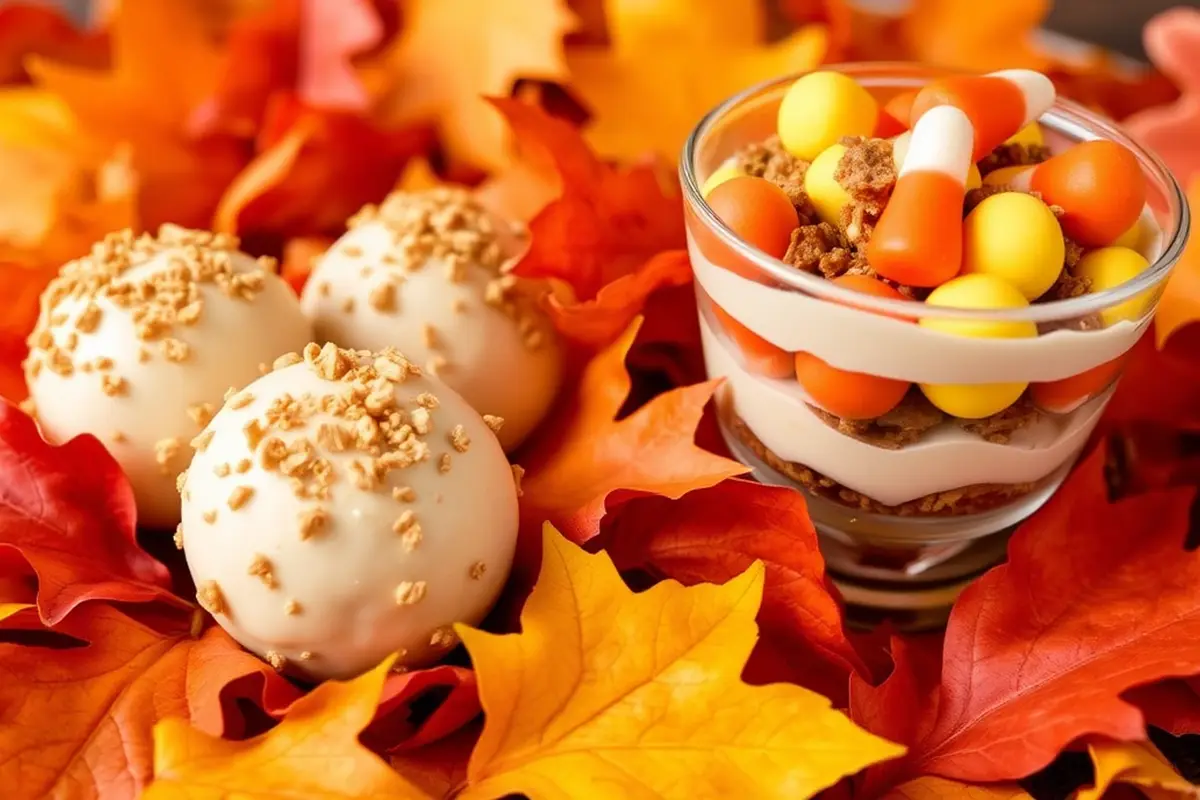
[424, 273]
[345, 507]
[138, 341]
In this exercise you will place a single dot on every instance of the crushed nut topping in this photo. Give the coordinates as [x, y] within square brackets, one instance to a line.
[200, 443]
[175, 350]
[165, 451]
[443, 637]
[518, 472]
[209, 516]
[221, 470]
[444, 463]
[201, 413]
[241, 400]
[477, 570]
[312, 522]
[239, 497]
[113, 385]
[383, 297]
[210, 598]
[493, 422]
[178, 536]
[410, 593]
[459, 439]
[404, 494]
[260, 567]
[276, 660]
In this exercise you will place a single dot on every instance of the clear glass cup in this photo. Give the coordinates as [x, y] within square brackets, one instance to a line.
[906, 518]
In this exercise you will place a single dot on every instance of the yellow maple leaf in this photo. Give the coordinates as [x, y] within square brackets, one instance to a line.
[930, 787]
[1137, 764]
[452, 52]
[314, 753]
[606, 693]
[671, 61]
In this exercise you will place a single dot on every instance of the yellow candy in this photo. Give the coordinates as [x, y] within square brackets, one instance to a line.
[1031, 134]
[1108, 268]
[1004, 175]
[826, 194]
[822, 107]
[1131, 238]
[722, 174]
[1016, 237]
[976, 401]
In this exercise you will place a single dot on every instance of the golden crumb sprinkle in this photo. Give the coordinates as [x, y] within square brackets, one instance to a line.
[210, 598]
[103, 363]
[178, 536]
[291, 607]
[181, 481]
[444, 463]
[403, 494]
[260, 567]
[243, 466]
[312, 522]
[518, 473]
[405, 522]
[287, 360]
[254, 432]
[200, 443]
[427, 400]
[383, 297]
[305, 655]
[72, 340]
[113, 386]
[411, 539]
[493, 422]
[276, 660]
[410, 593]
[477, 570]
[166, 451]
[201, 413]
[459, 439]
[209, 516]
[239, 497]
[443, 637]
[329, 361]
[421, 420]
[176, 351]
[89, 318]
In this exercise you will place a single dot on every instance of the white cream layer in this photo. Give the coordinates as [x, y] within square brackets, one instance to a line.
[945, 458]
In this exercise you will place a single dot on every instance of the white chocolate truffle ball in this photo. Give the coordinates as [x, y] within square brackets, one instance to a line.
[423, 273]
[138, 341]
[345, 507]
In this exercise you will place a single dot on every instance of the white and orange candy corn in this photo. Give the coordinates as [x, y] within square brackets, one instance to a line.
[998, 104]
[918, 241]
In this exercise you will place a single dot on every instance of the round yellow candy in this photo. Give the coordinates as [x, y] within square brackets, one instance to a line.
[1109, 267]
[1004, 175]
[980, 291]
[1132, 238]
[723, 173]
[826, 194]
[822, 107]
[1016, 237]
[1031, 134]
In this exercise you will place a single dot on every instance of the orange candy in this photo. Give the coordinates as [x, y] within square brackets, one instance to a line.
[1067, 394]
[895, 115]
[849, 395]
[1100, 186]
[758, 211]
[908, 250]
[872, 286]
[995, 106]
[760, 356]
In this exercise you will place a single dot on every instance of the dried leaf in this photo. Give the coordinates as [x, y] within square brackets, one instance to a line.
[711, 535]
[653, 707]
[1051, 638]
[439, 769]
[1171, 130]
[335, 31]
[69, 512]
[931, 788]
[34, 29]
[655, 65]
[1138, 764]
[453, 51]
[298, 260]
[314, 753]
[979, 37]
[1173, 705]
[584, 453]
[1159, 386]
[452, 688]
[78, 719]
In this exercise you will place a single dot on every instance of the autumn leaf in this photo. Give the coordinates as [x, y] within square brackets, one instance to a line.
[440, 768]
[69, 512]
[606, 692]
[452, 688]
[931, 788]
[711, 535]
[314, 753]
[1173, 705]
[673, 61]
[335, 31]
[1137, 764]
[977, 37]
[1170, 130]
[1179, 305]
[78, 720]
[452, 52]
[604, 236]
[1051, 638]
[584, 452]
[1159, 386]
[30, 29]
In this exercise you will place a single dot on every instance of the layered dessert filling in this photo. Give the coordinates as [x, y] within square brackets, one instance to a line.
[902, 404]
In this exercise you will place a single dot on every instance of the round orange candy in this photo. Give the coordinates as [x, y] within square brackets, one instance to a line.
[760, 356]
[758, 211]
[874, 287]
[1099, 185]
[1067, 394]
[849, 395]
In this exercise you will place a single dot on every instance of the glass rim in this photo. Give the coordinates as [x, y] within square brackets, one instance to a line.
[1065, 117]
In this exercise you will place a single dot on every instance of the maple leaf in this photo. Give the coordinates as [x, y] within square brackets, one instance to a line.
[453, 51]
[1050, 638]
[673, 60]
[1179, 305]
[78, 720]
[27, 29]
[1135, 764]
[314, 753]
[1171, 40]
[604, 237]
[1159, 386]
[584, 453]
[606, 692]
[69, 512]
[392, 730]
[1173, 705]
[712, 535]
[932, 788]
[978, 37]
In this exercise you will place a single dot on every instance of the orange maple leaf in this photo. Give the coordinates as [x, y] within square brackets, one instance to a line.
[453, 51]
[929, 787]
[672, 61]
[584, 453]
[313, 753]
[608, 693]
[78, 720]
[1137, 764]
[600, 238]
[27, 29]
[977, 37]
